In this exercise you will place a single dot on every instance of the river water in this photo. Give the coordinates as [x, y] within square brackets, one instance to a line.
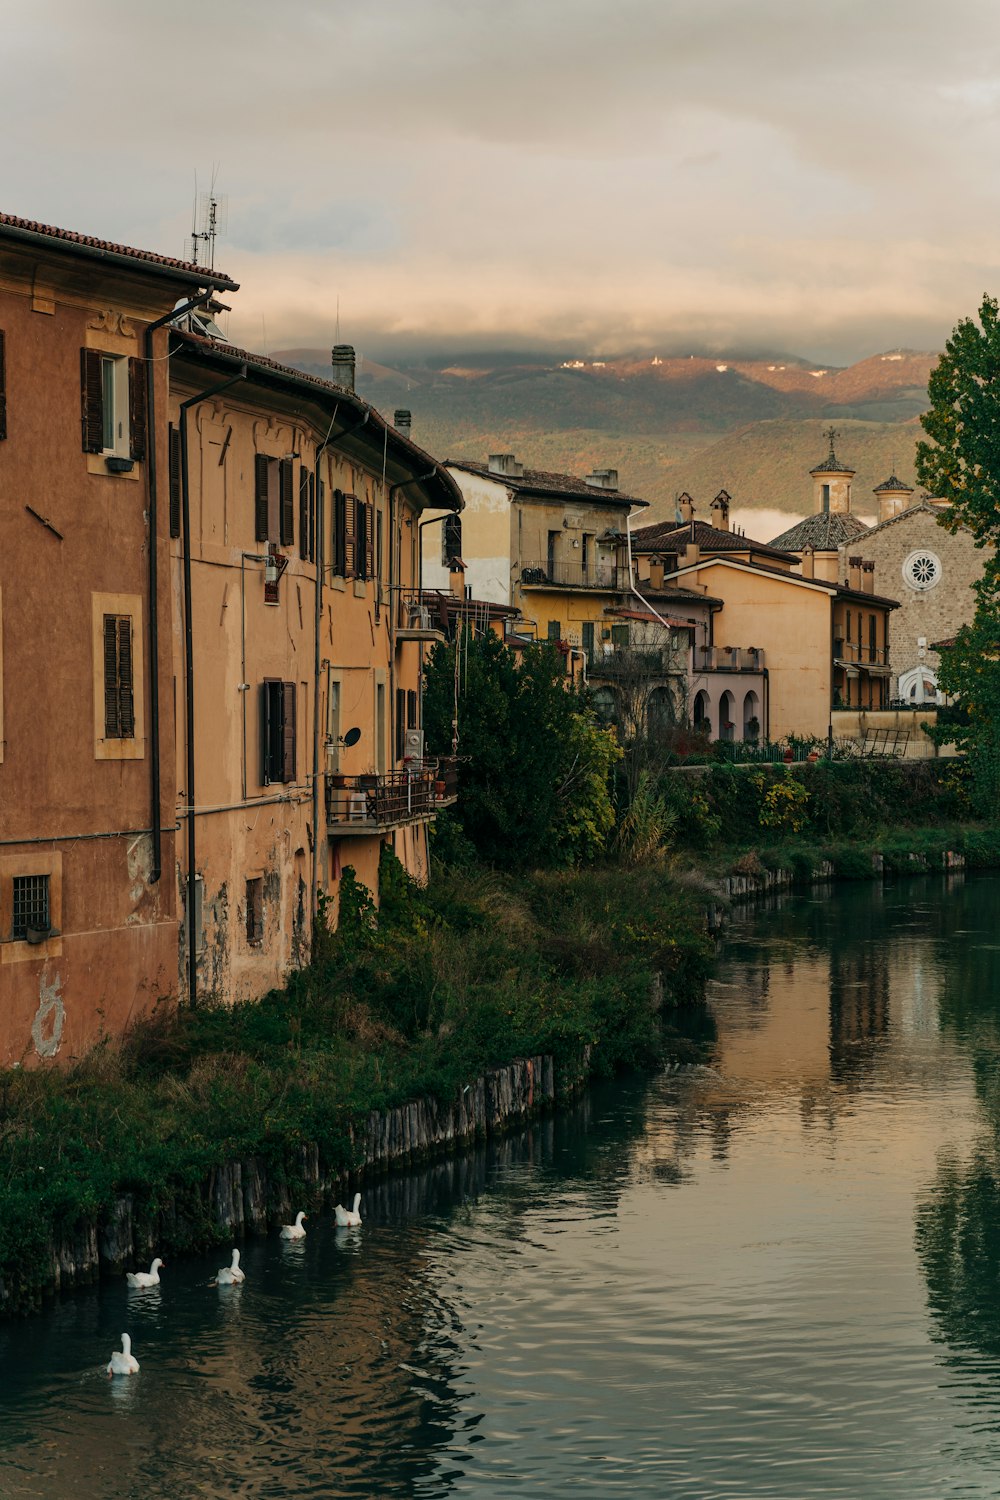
[779, 1276]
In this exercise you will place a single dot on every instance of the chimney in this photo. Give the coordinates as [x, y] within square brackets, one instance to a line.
[692, 554]
[456, 577]
[343, 361]
[656, 573]
[854, 574]
[602, 479]
[809, 561]
[505, 463]
[868, 577]
[720, 510]
[402, 420]
[685, 507]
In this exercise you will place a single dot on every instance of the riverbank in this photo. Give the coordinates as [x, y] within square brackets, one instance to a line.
[198, 1124]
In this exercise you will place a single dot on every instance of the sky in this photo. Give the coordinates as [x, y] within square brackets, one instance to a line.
[815, 177]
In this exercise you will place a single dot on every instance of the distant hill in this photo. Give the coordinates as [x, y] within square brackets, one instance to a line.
[691, 423]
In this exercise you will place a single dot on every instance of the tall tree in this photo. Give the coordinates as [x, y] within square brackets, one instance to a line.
[961, 464]
[534, 763]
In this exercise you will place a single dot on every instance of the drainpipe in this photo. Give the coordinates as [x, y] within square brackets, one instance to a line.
[154, 634]
[212, 390]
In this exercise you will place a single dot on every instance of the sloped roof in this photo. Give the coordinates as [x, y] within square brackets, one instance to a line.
[14, 228]
[543, 482]
[924, 506]
[893, 486]
[673, 536]
[825, 532]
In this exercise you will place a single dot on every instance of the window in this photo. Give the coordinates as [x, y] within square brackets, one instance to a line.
[274, 518]
[554, 631]
[411, 709]
[587, 636]
[174, 462]
[585, 554]
[922, 570]
[552, 553]
[825, 493]
[872, 639]
[255, 911]
[114, 404]
[277, 731]
[353, 537]
[400, 723]
[199, 912]
[30, 906]
[849, 625]
[307, 515]
[451, 539]
[119, 696]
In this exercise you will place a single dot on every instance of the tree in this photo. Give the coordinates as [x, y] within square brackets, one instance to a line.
[961, 464]
[534, 763]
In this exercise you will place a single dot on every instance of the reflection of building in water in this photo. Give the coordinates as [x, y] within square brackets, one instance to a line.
[860, 1007]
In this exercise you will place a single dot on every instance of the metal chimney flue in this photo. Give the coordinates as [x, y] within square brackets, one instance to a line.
[343, 360]
[402, 420]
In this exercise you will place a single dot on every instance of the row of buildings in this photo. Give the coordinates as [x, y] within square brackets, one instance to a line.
[219, 578]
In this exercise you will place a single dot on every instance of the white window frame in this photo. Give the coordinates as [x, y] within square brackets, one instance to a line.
[114, 373]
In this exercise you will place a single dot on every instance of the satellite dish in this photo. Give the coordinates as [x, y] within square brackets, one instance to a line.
[351, 737]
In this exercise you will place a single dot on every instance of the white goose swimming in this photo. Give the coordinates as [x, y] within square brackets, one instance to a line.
[294, 1231]
[348, 1218]
[123, 1362]
[146, 1278]
[230, 1275]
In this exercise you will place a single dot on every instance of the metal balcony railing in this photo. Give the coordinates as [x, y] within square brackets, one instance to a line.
[855, 653]
[372, 803]
[574, 575]
[728, 659]
[419, 618]
[624, 661]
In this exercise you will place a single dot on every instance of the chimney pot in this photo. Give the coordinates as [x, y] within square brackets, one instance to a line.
[402, 420]
[656, 570]
[854, 573]
[602, 479]
[692, 553]
[868, 577]
[505, 463]
[809, 562]
[686, 506]
[343, 360]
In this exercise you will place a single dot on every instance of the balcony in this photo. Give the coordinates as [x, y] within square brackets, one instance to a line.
[728, 659]
[416, 620]
[855, 657]
[608, 576]
[362, 805]
[629, 661]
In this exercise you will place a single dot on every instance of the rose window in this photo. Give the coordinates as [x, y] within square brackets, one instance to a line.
[922, 570]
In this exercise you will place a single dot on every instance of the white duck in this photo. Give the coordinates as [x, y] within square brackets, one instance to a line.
[146, 1278]
[294, 1231]
[124, 1362]
[230, 1275]
[348, 1218]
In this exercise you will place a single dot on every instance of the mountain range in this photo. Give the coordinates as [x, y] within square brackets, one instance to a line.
[752, 426]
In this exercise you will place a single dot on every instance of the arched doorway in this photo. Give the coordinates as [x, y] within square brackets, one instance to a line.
[603, 700]
[659, 710]
[727, 716]
[751, 717]
[702, 713]
[918, 686]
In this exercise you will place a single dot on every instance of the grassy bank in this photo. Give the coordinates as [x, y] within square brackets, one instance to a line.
[475, 972]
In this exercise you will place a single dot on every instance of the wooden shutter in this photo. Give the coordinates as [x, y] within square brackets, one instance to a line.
[92, 404]
[411, 709]
[339, 533]
[136, 409]
[400, 722]
[119, 690]
[321, 523]
[361, 539]
[289, 699]
[174, 459]
[311, 518]
[350, 536]
[261, 464]
[287, 532]
[265, 734]
[304, 478]
[3, 387]
[369, 510]
[452, 537]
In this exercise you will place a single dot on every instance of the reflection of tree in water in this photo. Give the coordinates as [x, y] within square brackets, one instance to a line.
[859, 1008]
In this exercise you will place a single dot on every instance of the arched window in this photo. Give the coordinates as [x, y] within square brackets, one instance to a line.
[702, 713]
[605, 707]
[919, 685]
[659, 709]
[451, 539]
[751, 717]
[727, 717]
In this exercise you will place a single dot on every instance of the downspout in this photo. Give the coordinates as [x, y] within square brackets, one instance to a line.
[154, 633]
[212, 390]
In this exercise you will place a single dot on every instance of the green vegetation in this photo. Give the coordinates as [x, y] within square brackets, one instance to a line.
[961, 464]
[536, 764]
[442, 985]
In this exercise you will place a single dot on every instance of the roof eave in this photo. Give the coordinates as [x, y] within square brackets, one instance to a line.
[205, 278]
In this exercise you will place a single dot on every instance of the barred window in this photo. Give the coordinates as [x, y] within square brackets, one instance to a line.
[119, 692]
[31, 905]
[255, 910]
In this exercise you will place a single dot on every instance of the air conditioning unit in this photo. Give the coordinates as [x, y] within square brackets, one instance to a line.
[413, 744]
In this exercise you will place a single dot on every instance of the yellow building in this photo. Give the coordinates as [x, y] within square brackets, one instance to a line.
[299, 637]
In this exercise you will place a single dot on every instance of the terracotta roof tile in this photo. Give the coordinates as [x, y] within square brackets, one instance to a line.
[30, 228]
[825, 532]
[673, 536]
[892, 486]
[542, 481]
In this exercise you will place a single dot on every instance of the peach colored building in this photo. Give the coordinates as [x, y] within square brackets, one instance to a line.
[88, 907]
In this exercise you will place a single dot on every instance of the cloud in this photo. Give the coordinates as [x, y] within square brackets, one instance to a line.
[816, 177]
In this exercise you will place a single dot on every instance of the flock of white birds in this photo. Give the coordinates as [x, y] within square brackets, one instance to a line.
[124, 1362]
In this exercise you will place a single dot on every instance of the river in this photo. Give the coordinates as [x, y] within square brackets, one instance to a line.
[778, 1276]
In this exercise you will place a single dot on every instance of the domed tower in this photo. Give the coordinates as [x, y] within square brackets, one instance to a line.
[893, 498]
[832, 483]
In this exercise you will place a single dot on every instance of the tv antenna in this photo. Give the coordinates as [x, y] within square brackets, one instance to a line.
[210, 219]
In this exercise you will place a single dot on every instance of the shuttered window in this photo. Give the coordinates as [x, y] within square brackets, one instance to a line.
[261, 471]
[119, 688]
[304, 478]
[338, 562]
[278, 731]
[3, 386]
[174, 458]
[411, 709]
[451, 540]
[369, 540]
[350, 536]
[92, 396]
[319, 533]
[400, 722]
[286, 496]
[113, 404]
[136, 410]
[361, 539]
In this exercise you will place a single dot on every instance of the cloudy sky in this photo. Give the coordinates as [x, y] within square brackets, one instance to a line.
[813, 176]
